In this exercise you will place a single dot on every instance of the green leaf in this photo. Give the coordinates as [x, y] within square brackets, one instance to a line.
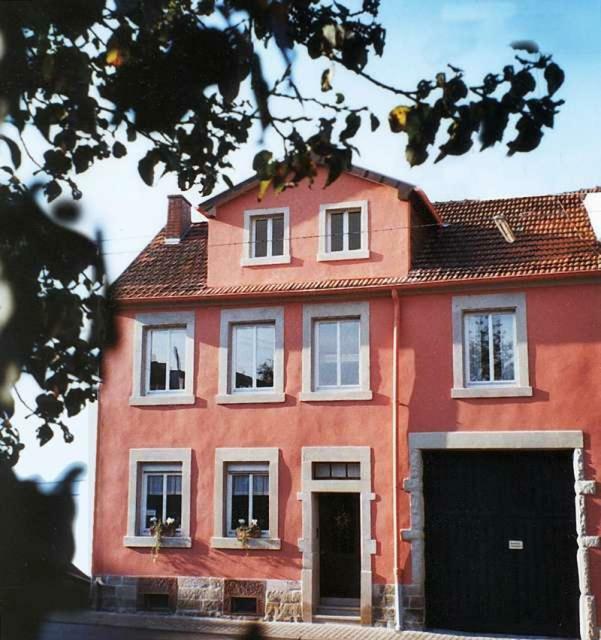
[375, 123]
[326, 80]
[339, 98]
[261, 161]
[15, 152]
[52, 190]
[554, 76]
[146, 166]
[119, 150]
[353, 122]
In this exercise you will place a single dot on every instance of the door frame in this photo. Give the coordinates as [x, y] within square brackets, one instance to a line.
[309, 545]
[502, 440]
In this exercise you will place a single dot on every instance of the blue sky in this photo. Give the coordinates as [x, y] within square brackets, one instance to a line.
[423, 36]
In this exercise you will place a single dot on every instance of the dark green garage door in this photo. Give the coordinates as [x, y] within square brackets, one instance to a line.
[500, 542]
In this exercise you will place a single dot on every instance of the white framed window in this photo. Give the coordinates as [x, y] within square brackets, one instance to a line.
[251, 356]
[336, 352]
[343, 231]
[159, 488]
[246, 488]
[163, 358]
[489, 347]
[266, 238]
[336, 348]
[253, 353]
[490, 350]
[161, 495]
[247, 496]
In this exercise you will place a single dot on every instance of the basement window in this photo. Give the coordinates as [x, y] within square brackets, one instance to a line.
[245, 606]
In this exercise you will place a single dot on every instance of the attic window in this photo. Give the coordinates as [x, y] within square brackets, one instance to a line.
[343, 231]
[266, 237]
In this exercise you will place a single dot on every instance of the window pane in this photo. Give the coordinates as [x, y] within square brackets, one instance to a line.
[326, 354]
[260, 239]
[154, 499]
[503, 340]
[336, 231]
[349, 352]
[261, 511]
[265, 353]
[177, 364]
[338, 470]
[174, 485]
[354, 230]
[174, 508]
[239, 501]
[477, 337]
[260, 485]
[353, 470]
[159, 348]
[243, 367]
[277, 236]
[321, 470]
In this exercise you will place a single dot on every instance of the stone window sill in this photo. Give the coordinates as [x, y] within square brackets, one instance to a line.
[164, 399]
[491, 392]
[250, 398]
[259, 262]
[336, 396]
[184, 542]
[253, 543]
[358, 254]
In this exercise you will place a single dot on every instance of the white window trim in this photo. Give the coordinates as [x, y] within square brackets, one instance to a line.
[137, 459]
[312, 312]
[461, 305]
[247, 468]
[247, 260]
[225, 456]
[143, 322]
[323, 253]
[169, 468]
[229, 317]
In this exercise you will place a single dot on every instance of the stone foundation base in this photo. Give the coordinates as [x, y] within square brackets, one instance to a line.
[383, 605]
[277, 600]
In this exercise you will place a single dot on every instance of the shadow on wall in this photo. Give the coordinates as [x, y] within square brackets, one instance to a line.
[36, 550]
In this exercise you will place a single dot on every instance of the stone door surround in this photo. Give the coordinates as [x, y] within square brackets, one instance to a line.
[309, 486]
[503, 440]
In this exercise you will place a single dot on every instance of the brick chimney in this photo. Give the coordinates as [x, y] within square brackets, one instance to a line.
[179, 218]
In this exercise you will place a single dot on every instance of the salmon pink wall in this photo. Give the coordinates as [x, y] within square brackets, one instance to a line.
[564, 343]
[564, 353]
[388, 234]
[206, 426]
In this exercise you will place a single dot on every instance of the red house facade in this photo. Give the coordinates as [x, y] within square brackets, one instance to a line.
[355, 405]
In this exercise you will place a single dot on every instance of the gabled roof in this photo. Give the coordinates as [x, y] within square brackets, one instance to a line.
[552, 235]
[404, 188]
[553, 239]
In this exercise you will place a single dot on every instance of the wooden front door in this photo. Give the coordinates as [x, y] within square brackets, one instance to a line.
[339, 545]
[500, 542]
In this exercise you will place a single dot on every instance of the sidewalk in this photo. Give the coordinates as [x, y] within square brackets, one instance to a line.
[275, 630]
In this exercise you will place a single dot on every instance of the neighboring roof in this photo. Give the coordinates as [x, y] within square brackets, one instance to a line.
[404, 188]
[167, 270]
[553, 235]
[553, 238]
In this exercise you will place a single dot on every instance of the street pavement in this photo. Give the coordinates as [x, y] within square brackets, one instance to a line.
[66, 631]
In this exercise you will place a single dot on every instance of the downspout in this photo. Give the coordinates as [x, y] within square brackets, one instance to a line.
[395, 466]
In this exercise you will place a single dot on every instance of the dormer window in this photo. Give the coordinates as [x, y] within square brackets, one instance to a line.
[343, 231]
[266, 237]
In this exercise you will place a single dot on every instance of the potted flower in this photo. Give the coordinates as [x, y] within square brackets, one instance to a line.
[244, 533]
[160, 529]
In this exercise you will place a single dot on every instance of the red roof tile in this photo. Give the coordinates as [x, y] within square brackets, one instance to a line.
[553, 237]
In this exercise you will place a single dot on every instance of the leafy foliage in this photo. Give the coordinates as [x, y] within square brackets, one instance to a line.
[94, 75]
[187, 77]
[56, 318]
